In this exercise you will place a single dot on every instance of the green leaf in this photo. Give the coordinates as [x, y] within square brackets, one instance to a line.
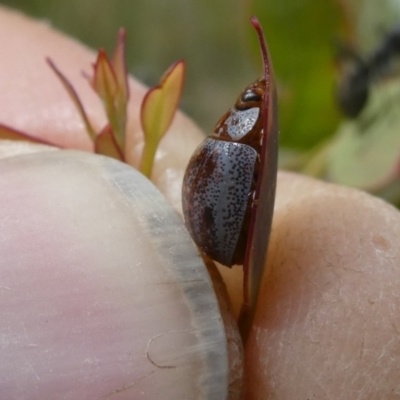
[158, 109]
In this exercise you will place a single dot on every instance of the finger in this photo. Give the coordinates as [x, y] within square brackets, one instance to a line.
[327, 319]
[33, 100]
[102, 291]
[45, 110]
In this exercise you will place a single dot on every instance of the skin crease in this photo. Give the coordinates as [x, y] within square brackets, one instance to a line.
[326, 326]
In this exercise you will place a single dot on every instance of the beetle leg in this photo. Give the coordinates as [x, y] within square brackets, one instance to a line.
[261, 138]
[254, 201]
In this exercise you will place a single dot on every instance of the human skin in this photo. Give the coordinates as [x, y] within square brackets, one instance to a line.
[326, 325]
[103, 294]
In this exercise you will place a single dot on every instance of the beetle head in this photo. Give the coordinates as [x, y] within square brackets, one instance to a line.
[252, 96]
[243, 123]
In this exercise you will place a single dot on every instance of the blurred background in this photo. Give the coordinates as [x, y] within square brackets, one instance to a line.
[318, 47]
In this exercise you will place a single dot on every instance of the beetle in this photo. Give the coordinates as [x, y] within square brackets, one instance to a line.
[228, 190]
[219, 185]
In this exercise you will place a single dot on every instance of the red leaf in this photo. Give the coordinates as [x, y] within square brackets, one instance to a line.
[104, 81]
[7, 133]
[74, 97]
[106, 144]
[261, 219]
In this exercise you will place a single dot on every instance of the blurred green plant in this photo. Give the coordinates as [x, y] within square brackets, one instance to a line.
[110, 82]
[364, 152]
[300, 37]
[315, 138]
[158, 109]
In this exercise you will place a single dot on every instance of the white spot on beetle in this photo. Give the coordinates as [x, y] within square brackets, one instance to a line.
[241, 122]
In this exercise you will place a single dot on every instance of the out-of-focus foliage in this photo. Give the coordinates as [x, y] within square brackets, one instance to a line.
[109, 80]
[214, 37]
[207, 34]
[216, 40]
[371, 20]
[366, 151]
[301, 37]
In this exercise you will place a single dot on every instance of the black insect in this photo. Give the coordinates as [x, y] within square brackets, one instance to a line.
[353, 88]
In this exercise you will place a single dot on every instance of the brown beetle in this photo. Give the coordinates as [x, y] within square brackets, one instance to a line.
[229, 186]
[220, 180]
